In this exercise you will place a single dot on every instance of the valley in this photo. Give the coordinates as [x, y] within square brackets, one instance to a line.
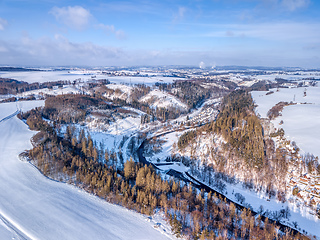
[186, 129]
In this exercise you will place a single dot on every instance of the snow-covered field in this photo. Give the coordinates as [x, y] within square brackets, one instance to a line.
[67, 89]
[301, 122]
[302, 125]
[139, 80]
[288, 76]
[43, 76]
[48, 76]
[35, 207]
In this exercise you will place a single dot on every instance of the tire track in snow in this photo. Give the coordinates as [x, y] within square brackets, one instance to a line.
[9, 224]
[10, 116]
[14, 229]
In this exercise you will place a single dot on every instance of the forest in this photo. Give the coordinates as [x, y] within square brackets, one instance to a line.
[245, 155]
[73, 157]
[240, 128]
[240, 151]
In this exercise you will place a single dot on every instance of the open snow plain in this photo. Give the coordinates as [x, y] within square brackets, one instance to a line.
[301, 122]
[45, 76]
[35, 207]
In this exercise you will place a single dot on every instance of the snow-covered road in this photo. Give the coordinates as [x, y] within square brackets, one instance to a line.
[35, 207]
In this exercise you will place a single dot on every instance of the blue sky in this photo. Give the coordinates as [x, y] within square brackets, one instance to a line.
[143, 32]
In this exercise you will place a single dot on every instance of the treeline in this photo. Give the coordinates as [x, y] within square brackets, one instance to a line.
[276, 110]
[13, 99]
[11, 86]
[76, 159]
[266, 85]
[18, 69]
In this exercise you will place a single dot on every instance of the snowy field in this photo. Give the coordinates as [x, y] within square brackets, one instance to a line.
[35, 207]
[140, 80]
[288, 76]
[302, 125]
[301, 122]
[46, 76]
[43, 76]
[66, 89]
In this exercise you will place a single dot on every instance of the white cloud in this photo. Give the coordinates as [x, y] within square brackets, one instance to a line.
[60, 51]
[3, 49]
[279, 31]
[107, 28]
[3, 22]
[111, 29]
[287, 5]
[75, 17]
[293, 5]
[57, 51]
[180, 14]
[229, 33]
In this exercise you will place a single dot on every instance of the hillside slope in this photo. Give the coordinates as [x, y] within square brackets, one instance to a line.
[34, 207]
[157, 98]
